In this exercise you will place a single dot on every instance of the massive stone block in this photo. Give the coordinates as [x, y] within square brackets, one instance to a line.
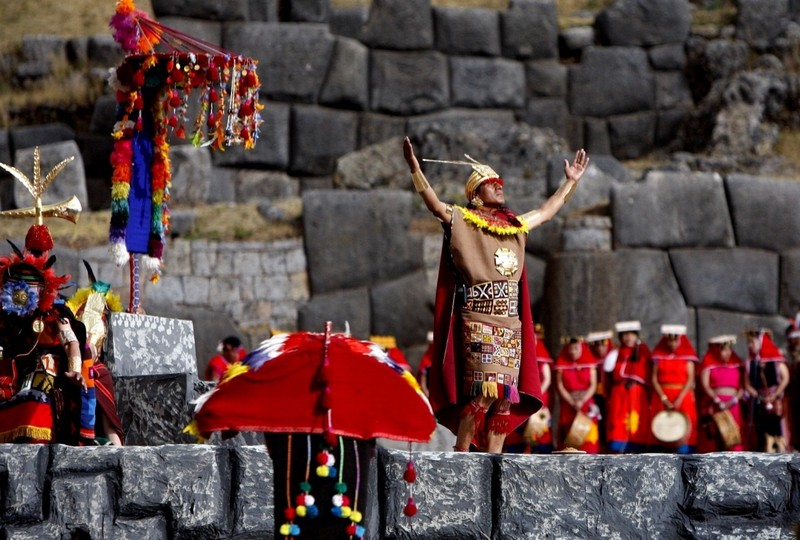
[632, 135]
[611, 81]
[403, 308]
[408, 82]
[349, 21]
[253, 498]
[345, 256]
[706, 278]
[548, 113]
[399, 24]
[23, 469]
[452, 498]
[280, 49]
[546, 78]
[594, 191]
[790, 282]
[147, 345]
[466, 31]
[191, 174]
[529, 29]
[761, 22]
[755, 204]
[209, 31]
[346, 83]
[613, 286]
[154, 409]
[314, 151]
[201, 474]
[672, 210]
[644, 23]
[487, 83]
[347, 307]
[310, 11]
[378, 165]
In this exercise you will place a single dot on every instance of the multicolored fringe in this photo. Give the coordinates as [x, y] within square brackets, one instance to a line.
[493, 390]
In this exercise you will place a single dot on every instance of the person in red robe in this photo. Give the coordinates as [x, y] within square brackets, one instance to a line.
[484, 381]
[627, 372]
[576, 383]
[721, 389]
[767, 377]
[230, 351]
[673, 379]
[601, 344]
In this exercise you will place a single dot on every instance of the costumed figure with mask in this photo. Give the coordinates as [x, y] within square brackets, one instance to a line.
[91, 305]
[484, 381]
[42, 343]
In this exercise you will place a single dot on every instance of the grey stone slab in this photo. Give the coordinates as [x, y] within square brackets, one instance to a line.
[668, 125]
[546, 78]
[251, 185]
[672, 210]
[587, 233]
[450, 494]
[346, 85]
[263, 10]
[153, 528]
[46, 48]
[314, 151]
[147, 345]
[280, 48]
[529, 29]
[309, 11]
[378, 165]
[349, 21]
[253, 496]
[671, 56]
[344, 257]
[23, 468]
[191, 174]
[582, 496]
[596, 138]
[706, 279]
[750, 485]
[749, 197]
[573, 40]
[35, 531]
[551, 113]
[535, 269]
[672, 90]
[347, 307]
[71, 460]
[632, 135]
[390, 21]
[487, 82]
[611, 81]
[83, 502]
[594, 189]
[408, 82]
[103, 51]
[402, 308]
[5, 148]
[70, 181]
[154, 409]
[200, 28]
[644, 22]
[467, 31]
[761, 22]
[199, 473]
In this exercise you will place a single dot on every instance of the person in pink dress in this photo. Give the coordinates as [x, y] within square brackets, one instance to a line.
[576, 382]
[721, 389]
[673, 380]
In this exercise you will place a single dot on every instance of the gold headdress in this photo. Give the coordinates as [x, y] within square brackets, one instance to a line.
[480, 173]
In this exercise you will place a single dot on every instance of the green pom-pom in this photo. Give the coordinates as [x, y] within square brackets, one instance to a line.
[340, 487]
[305, 487]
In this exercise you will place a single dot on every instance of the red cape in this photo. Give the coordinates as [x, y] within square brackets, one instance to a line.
[447, 370]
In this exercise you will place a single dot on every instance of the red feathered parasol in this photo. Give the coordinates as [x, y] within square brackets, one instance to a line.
[318, 383]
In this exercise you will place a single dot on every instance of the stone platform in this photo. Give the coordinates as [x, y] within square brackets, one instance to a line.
[213, 491]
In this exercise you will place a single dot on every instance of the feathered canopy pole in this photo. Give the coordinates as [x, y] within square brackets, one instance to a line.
[153, 84]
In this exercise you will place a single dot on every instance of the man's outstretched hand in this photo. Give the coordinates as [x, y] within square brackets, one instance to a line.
[408, 153]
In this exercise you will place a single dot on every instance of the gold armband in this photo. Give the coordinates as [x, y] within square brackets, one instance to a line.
[569, 190]
[419, 181]
[74, 363]
[67, 335]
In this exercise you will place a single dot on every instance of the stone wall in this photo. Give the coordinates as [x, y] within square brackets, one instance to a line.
[207, 491]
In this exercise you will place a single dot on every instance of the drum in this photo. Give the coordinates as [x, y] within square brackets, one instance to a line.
[578, 430]
[537, 425]
[728, 428]
[670, 426]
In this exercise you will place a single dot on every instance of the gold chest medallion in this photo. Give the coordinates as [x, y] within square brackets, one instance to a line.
[505, 262]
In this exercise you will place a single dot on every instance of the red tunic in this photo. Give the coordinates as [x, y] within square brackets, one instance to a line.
[576, 377]
[721, 374]
[628, 417]
[673, 374]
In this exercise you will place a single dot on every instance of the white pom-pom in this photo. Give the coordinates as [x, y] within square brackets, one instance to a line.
[119, 253]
